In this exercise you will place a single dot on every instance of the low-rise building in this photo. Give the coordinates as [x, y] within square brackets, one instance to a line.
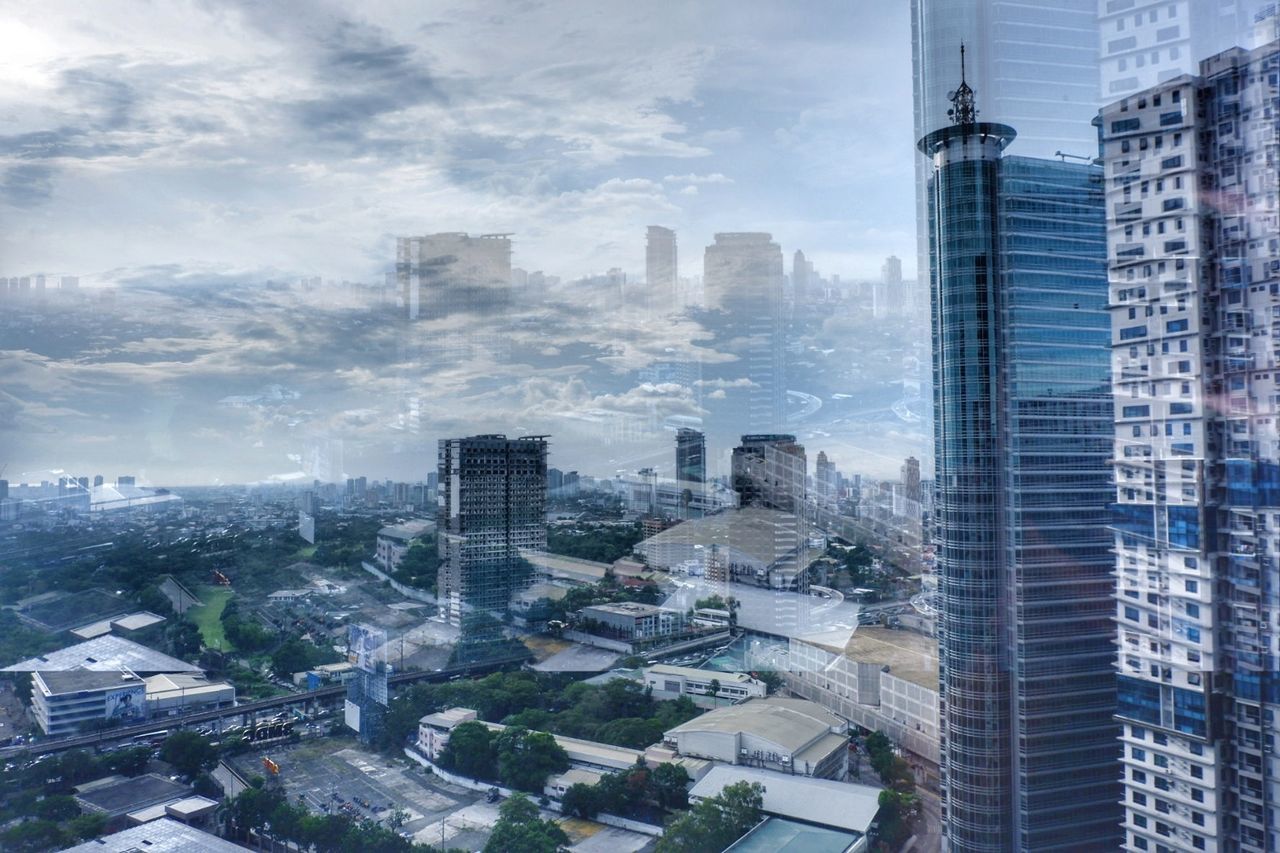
[66, 702]
[879, 679]
[846, 808]
[180, 693]
[664, 679]
[165, 835]
[788, 735]
[630, 620]
[396, 539]
[287, 596]
[434, 729]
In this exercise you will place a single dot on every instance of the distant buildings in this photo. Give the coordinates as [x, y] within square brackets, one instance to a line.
[743, 292]
[493, 505]
[661, 271]
[440, 275]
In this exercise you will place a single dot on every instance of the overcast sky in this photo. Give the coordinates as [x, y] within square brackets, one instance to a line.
[260, 139]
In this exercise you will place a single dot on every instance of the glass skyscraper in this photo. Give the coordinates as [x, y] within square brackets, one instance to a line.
[1022, 427]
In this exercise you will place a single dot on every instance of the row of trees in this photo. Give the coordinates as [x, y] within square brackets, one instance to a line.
[514, 757]
[602, 543]
[630, 792]
[899, 806]
[621, 712]
[715, 822]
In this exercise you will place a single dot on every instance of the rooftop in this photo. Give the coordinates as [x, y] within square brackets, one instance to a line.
[448, 718]
[101, 654]
[792, 724]
[840, 805]
[910, 656]
[159, 836]
[694, 672]
[77, 680]
[625, 608]
[765, 535]
[407, 530]
[120, 796]
[780, 835]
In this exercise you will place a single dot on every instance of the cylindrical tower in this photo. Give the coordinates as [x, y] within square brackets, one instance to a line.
[964, 282]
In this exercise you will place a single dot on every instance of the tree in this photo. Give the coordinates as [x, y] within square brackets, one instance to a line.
[520, 829]
[252, 808]
[526, 759]
[470, 751]
[59, 807]
[33, 836]
[716, 822]
[87, 826]
[772, 680]
[715, 691]
[292, 656]
[582, 800]
[898, 810]
[670, 785]
[130, 762]
[190, 753]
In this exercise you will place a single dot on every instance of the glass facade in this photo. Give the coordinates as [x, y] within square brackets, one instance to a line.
[1022, 430]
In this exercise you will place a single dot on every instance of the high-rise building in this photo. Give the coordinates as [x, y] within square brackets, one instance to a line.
[743, 292]
[911, 479]
[1193, 195]
[453, 273]
[1034, 64]
[1022, 429]
[1146, 42]
[770, 471]
[691, 456]
[493, 496]
[826, 484]
[661, 272]
[801, 273]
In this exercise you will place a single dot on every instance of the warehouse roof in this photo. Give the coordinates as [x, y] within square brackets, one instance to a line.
[792, 724]
[765, 535]
[104, 653]
[159, 836]
[77, 680]
[843, 805]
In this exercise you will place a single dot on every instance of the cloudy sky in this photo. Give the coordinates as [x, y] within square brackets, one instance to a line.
[299, 138]
[189, 153]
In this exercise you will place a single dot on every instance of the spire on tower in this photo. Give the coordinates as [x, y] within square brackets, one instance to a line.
[964, 109]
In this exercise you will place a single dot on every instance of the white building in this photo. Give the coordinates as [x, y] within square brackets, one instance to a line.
[683, 680]
[395, 539]
[434, 729]
[65, 702]
[788, 735]
[879, 679]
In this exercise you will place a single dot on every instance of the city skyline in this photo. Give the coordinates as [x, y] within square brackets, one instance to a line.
[328, 133]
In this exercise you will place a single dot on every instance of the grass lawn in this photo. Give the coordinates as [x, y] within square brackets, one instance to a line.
[306, 552]
[209, 617]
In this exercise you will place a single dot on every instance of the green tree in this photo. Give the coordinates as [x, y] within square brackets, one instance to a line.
[670, 785]
[715, 691]
[252, 809]
[59, 807]
[526, 759]
[33, 836]
[898, 811]
[190, 753]
[582, 800]
[129, 762]
[470, 751]
[292, 656]
[520, 829]
[716, 822]
[87, 826]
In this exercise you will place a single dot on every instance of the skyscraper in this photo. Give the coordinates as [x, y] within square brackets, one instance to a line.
[492, 506]
[691, 456]
[825, 481]
[661, 272]
[1022, 433]
[743, 284]
[444, 274]
[1195, 301]
[770, 471]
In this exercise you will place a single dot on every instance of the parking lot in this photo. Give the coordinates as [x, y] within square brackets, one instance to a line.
[335, 775]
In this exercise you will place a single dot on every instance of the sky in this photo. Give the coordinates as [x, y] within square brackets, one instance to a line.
[282, 139]
[196, 159]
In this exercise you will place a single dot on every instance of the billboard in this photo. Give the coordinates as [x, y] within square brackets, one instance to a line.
[366, 646]
[351, 715]
[127, 703]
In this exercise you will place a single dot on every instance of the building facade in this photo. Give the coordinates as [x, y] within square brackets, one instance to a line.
[1022, 441]
[661, 272]
[493, 495]
[1194, 257]
[451, 273]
